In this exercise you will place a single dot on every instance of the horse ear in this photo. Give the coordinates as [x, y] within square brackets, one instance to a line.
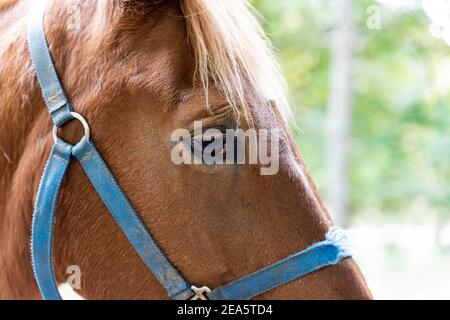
[141, 6]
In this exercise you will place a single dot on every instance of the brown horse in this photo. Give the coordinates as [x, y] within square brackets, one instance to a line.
[138, 70]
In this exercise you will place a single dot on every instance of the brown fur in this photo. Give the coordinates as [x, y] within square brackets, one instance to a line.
[6, 4]
[132, 79]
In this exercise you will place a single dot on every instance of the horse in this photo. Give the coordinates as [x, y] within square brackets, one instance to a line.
[137, 70]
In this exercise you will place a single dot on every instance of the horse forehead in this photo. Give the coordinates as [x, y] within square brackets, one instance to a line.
[153, 59]
[161, 57]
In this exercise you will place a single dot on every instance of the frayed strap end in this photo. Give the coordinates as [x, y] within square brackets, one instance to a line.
[339, 238]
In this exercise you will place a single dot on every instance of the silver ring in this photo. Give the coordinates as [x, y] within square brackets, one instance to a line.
[200, 293]
[79, 117]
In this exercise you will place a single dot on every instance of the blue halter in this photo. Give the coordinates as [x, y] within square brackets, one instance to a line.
[328, 252]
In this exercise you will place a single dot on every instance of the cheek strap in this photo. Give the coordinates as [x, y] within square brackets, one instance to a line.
[118, 206]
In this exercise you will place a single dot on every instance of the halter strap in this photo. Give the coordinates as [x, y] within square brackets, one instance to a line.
[333, 249]
[43, 218]
[328, 252]
[128, 220]
[52, 90]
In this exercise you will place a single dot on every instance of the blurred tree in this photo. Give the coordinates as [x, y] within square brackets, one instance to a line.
[340, 111]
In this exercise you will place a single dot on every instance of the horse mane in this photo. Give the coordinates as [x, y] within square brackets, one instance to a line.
[232, 52]
[6, 4]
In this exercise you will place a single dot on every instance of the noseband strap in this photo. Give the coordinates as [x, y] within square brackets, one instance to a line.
[328, 252]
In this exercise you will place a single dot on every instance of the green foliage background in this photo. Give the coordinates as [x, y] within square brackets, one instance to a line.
[400, 150]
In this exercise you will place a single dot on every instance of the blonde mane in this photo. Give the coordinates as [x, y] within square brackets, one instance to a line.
[232, 52]
[5, 4]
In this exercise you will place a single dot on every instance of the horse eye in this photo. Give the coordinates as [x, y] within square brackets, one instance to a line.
[199, 147]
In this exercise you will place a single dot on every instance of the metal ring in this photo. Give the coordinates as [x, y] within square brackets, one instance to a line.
[79, 117]
[200, 293]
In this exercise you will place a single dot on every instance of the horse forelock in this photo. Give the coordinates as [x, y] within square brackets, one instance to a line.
[5, 4]
[232, 52]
